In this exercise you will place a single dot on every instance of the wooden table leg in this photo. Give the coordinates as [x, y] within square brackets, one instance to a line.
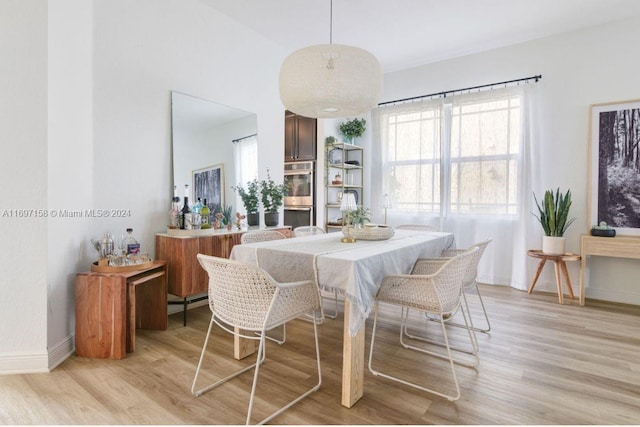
[567, 279]
[583, 267]
[535, 277]
[243, 347]
[352, 362]
[558, 280]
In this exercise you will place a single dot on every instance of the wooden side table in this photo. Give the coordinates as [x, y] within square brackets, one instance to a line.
[110, 306]
[560, 264]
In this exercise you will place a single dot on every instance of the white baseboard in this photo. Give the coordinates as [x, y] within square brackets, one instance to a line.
[32, 363]
[24, 363]
[61, 352]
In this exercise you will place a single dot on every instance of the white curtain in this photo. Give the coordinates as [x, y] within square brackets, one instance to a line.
[461, 197]
[245, 154]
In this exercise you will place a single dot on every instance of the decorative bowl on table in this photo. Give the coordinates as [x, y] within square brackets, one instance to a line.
[600, 232]
[603, 230]
[369, 232]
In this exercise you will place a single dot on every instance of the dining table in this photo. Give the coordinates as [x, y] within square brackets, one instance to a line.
[353, 270]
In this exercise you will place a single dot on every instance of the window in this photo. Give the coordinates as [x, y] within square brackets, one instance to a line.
[456, 156]
[246, 159]
[245, 153]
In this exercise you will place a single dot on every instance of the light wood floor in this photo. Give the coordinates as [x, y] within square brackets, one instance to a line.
[542, 363]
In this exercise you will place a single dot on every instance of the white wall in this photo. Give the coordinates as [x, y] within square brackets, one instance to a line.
[23, 178]
[110, 66]
[70, 164]
[580, 68]
[142, 51]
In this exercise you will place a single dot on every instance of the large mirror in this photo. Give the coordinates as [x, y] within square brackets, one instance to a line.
[204, 134]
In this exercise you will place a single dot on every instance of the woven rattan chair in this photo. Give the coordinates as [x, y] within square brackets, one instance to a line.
[436, 294]
[245, 300]
[261, 236]
[307, 230]
[417, 227]
[265, 236]
[471, 284]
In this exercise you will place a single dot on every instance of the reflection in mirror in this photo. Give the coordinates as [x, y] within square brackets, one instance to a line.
[203, 134]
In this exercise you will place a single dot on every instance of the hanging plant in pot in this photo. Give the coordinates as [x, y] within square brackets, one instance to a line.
[272, 199]
[249, 197]
[554, 218]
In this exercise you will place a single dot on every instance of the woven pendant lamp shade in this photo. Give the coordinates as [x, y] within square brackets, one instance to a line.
[330, 80]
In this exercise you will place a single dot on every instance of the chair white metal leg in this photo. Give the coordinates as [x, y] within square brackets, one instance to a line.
[259, 360]
[223, 380]
[276, 340]
[404, 331]
[484, 311]
[335, 300]
[453, 397]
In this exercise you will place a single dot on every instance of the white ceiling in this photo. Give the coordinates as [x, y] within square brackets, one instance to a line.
[406, 33]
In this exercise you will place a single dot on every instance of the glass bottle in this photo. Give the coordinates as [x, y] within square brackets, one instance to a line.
[204, 213]
[196, 219]
[129, 243]
[185, 213]
[175, 209]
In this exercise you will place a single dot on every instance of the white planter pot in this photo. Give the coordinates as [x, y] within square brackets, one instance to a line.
[553, 245]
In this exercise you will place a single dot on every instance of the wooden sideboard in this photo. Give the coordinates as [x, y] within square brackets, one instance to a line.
[620, 246]
[187, 279]
[110, 306]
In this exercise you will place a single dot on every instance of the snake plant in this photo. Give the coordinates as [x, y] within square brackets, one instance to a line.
[554, 212]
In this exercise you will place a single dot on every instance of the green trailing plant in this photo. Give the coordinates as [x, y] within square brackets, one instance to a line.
[272, 194]
[249, 195]
[553, 213]
[353, 128]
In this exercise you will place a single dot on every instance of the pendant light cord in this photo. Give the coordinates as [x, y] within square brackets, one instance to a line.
[331, 22]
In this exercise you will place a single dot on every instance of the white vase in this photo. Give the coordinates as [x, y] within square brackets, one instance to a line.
[553, 245]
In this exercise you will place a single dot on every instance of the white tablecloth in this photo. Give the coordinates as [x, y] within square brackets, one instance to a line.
[355, 270]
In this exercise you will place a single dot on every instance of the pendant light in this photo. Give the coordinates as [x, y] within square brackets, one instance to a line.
[330, 80]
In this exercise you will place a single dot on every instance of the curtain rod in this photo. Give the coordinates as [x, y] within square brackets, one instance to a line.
[446, 92]
[235, 141]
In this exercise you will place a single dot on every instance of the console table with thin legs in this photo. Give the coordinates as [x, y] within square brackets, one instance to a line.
[620, 246]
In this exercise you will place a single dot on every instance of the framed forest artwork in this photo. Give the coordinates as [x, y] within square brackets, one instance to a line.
[614, 166]
[208, 183]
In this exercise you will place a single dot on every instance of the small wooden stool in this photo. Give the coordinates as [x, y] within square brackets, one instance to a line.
[560, 264]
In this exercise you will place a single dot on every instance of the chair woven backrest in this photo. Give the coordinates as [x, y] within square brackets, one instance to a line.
[307, 230]
[450, 279]
[239, 294]
[472, 271]
[417, 227]
[261, 236]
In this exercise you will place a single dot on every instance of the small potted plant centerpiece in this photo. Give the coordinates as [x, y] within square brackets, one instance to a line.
[554, 218]
[352, 129]
[360, 216]
[272, 199]
[249, 197]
